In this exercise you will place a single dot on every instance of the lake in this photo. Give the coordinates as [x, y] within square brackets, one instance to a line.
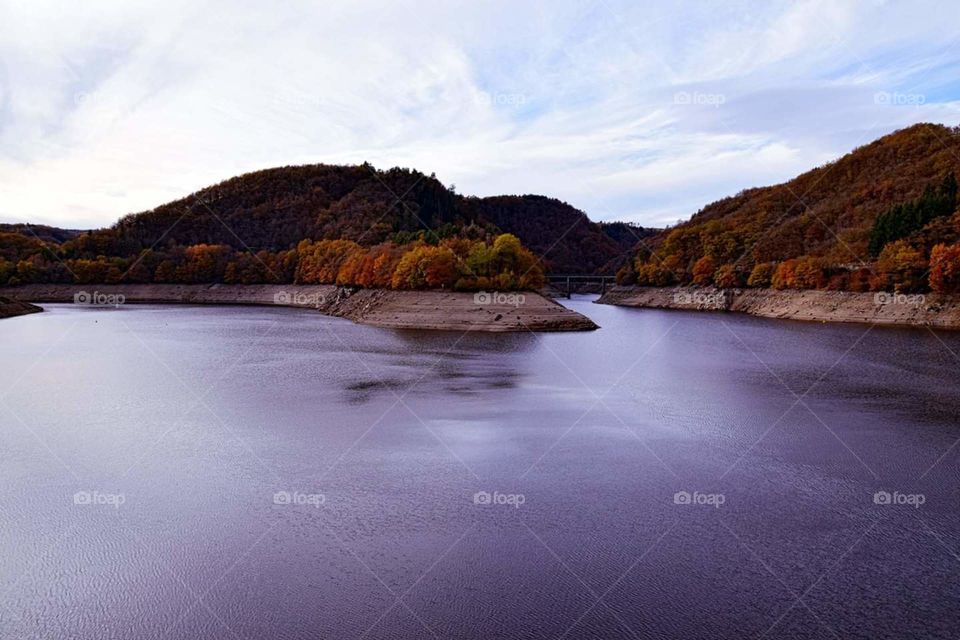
[224, 472]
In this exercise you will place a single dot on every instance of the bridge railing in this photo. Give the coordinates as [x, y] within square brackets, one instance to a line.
[570, 279]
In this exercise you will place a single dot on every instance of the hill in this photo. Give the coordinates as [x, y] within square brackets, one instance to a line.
[870, 220]
[566, 238]
[324, 224]
[274, 209]
[41, 232]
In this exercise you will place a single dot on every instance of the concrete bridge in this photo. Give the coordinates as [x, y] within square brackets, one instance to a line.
[569, 283]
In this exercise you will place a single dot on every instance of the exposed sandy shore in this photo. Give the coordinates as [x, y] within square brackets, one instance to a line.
[10, 308]
[821, 306]
[520, 311]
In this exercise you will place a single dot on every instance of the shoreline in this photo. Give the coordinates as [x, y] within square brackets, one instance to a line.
[430, 309]
[11, 308]
[904, 310]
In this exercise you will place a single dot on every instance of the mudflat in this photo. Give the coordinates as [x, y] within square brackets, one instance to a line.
[10, 308]
[933, 310]
[435, 310]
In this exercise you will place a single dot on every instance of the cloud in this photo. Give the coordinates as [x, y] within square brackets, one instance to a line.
[629, 112]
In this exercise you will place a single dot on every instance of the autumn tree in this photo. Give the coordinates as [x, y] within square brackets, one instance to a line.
[761, 275]
[945, 268]
[809, 273]
[7, 270]
[703, 270]
[727, 277]
[425, 266]
[785, 276]
[320, 262]
[900, 267]
[204, 263]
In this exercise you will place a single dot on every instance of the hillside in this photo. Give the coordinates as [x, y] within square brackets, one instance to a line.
[274, 209]
[870, 220]
[322, 224]
[41, 232]
[566, 238]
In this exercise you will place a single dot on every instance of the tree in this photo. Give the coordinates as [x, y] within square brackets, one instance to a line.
[627, 274]
[425, 266]
[905, 218]
[945, 268]
[352, 267]
[703, 271]
[809, 273]
[762, 274]
[320, 262]
[166, 272]
[900, 267]
[727, 277]
[7, 271]
[785, 276]
[204, 263]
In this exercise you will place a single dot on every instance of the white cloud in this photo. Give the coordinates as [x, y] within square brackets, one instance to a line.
[107, 109]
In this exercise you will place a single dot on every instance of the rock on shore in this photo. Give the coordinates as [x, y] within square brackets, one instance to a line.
[440, 310]
[10, 308]
[823, 306]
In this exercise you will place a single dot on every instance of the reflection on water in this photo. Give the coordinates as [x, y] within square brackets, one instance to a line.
[203, 472]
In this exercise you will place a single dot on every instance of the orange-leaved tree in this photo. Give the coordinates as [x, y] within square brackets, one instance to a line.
[945, 268]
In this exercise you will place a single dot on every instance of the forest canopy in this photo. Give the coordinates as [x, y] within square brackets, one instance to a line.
[883, 218]
[327, 223]
[425, 262]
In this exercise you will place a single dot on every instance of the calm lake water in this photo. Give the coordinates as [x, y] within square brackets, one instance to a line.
[219, 472]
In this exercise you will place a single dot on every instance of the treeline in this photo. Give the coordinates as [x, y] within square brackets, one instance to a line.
[919, 252]
[424, 261]
[883, 217]
[903, 219]
[900, 267]
[454, 263]
[274, 209]
[567, 240]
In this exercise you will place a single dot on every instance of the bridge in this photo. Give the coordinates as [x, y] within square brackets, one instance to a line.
[567, 283]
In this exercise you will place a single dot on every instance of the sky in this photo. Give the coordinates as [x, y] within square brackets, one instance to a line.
[638, 111]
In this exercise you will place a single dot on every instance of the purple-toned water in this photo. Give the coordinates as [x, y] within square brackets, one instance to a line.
[214, 472]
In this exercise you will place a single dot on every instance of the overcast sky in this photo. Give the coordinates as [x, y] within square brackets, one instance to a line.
[628, 110]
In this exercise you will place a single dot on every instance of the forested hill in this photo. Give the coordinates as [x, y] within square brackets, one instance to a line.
[320, 224]
[565, 236]
[274, 209]
[871, 220]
